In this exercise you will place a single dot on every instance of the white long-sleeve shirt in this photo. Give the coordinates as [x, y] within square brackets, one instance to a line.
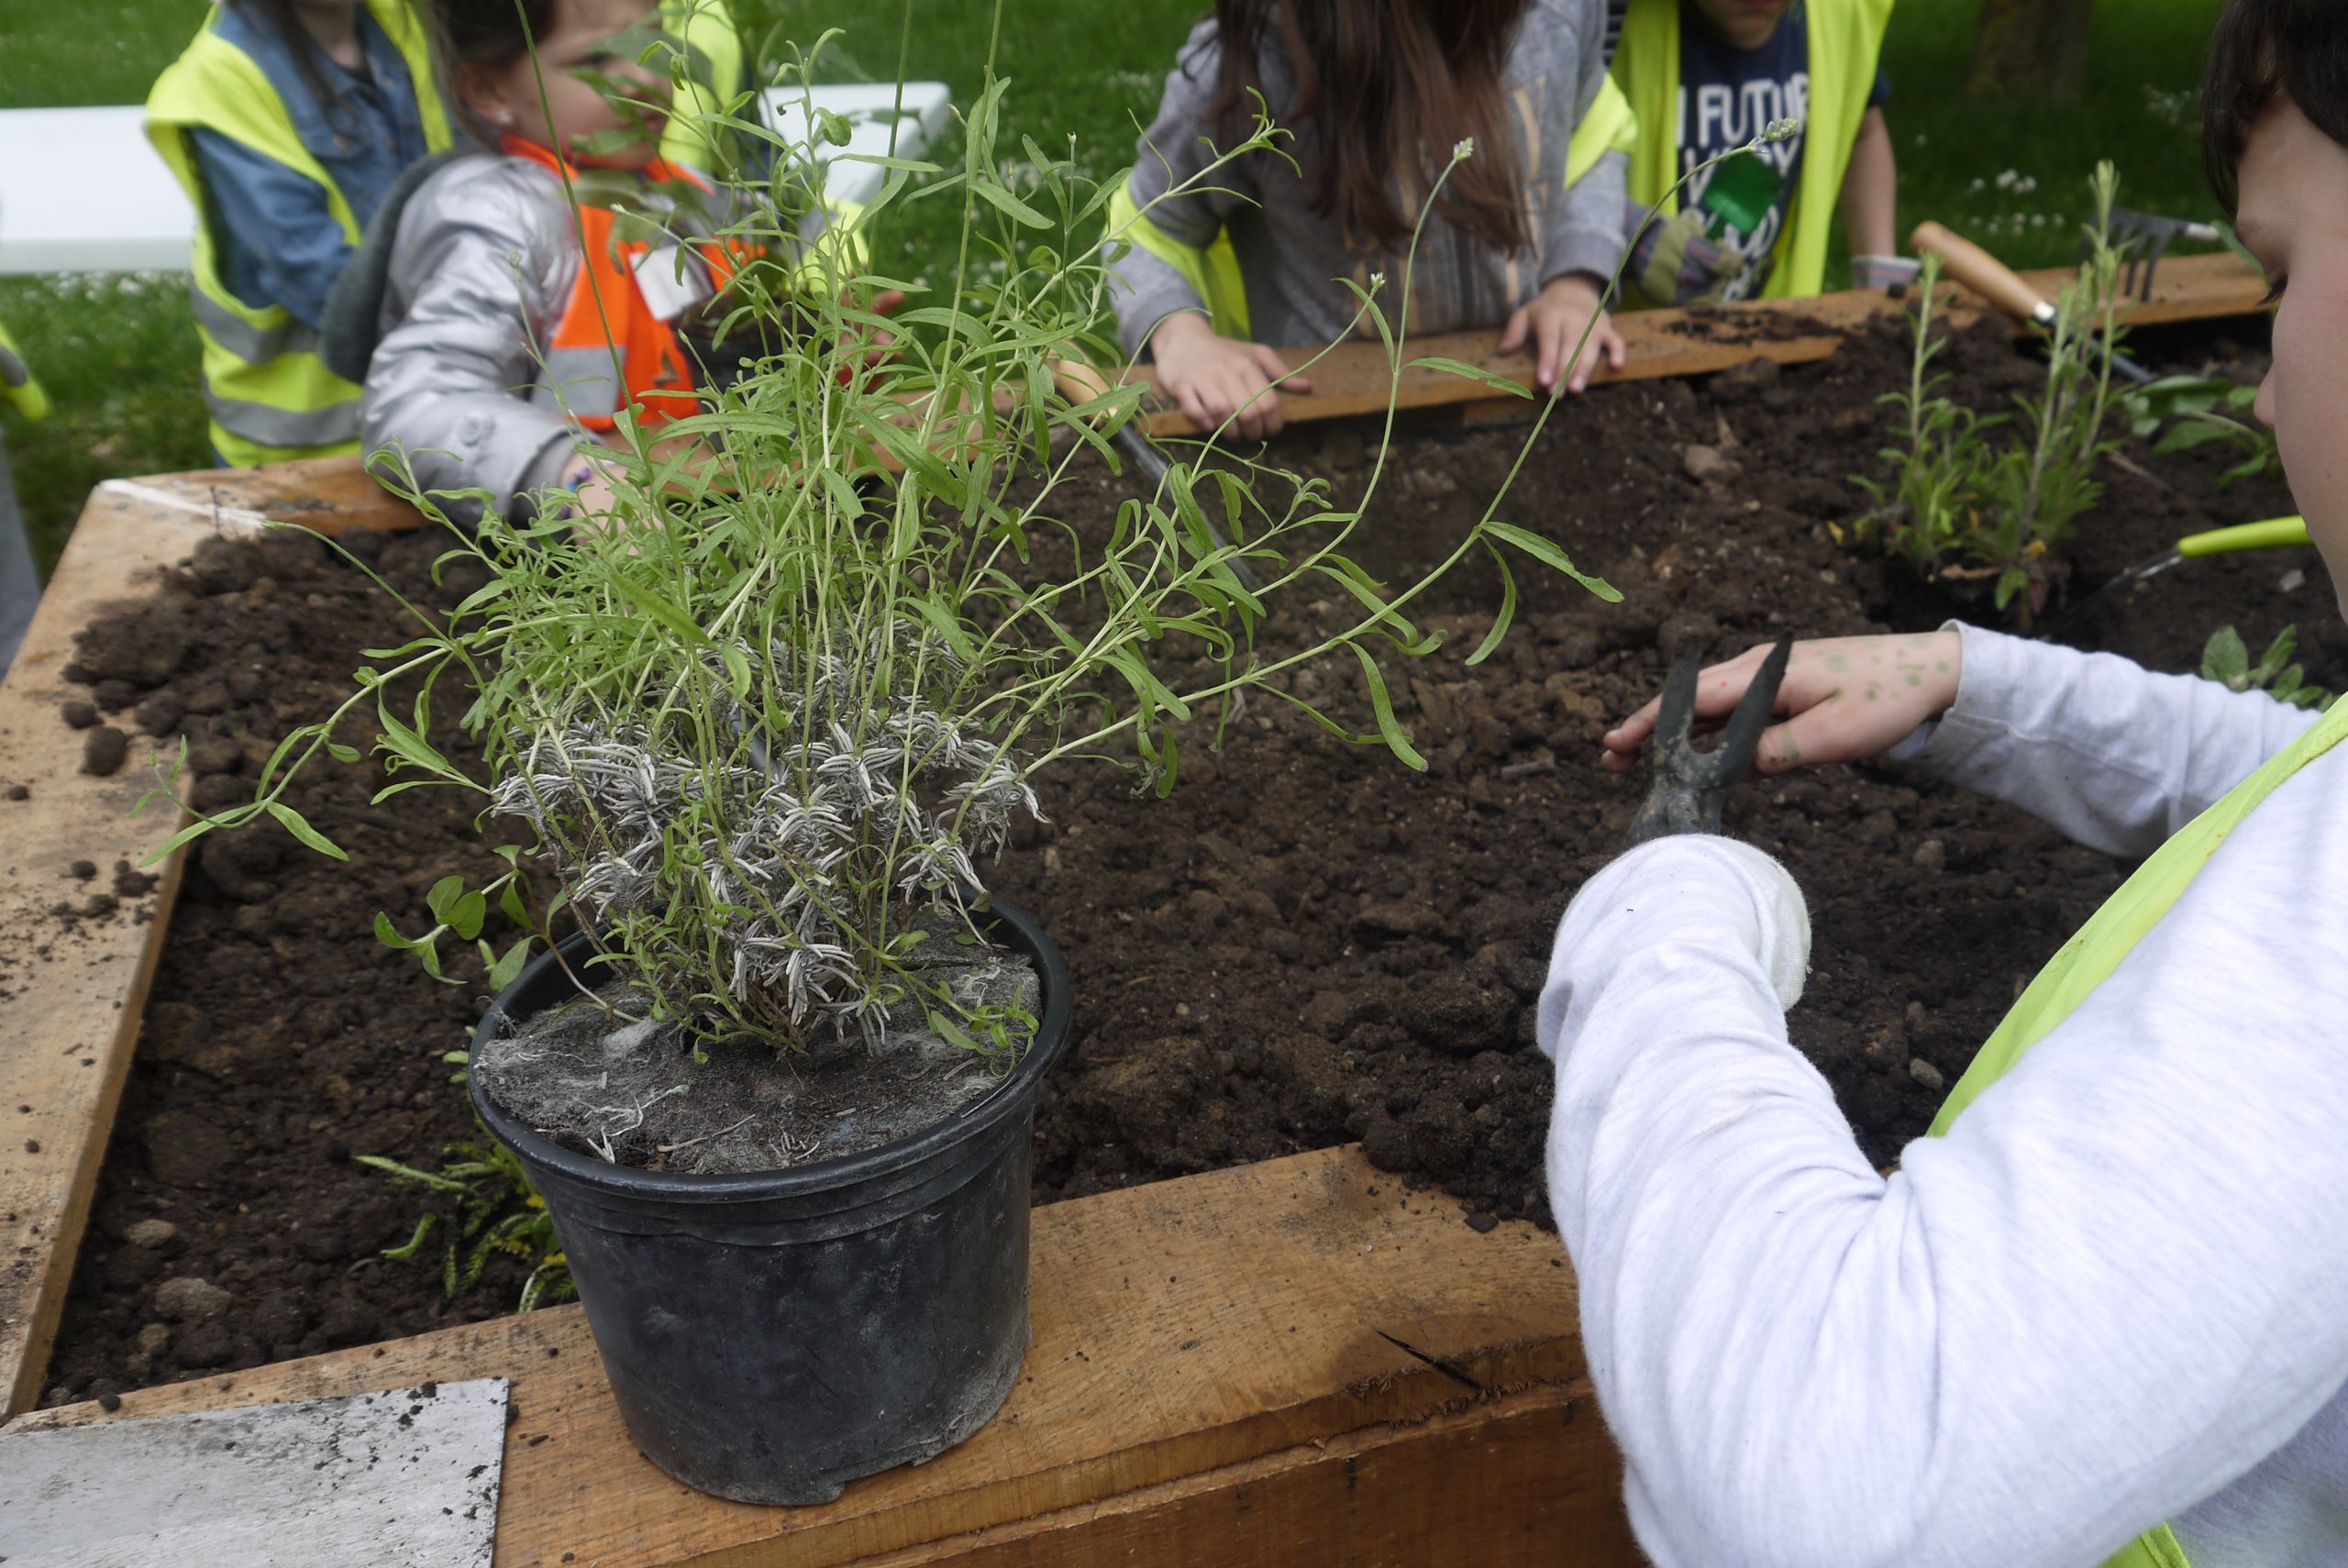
[2116, 1294]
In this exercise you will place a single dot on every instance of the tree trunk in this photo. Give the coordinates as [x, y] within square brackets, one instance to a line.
[2031, 49]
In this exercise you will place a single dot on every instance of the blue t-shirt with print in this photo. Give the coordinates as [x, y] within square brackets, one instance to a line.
[1728, 96]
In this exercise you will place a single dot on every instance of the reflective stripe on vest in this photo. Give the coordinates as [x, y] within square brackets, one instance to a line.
[271, 394]
[2109, 936]
[247, 341]
[609, 351]
[1845, 37]
[328, 428]
[1213, 271]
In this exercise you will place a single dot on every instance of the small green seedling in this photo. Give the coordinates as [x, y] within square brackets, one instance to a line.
[2226, 660]
[496, 1212]
[2199, 410]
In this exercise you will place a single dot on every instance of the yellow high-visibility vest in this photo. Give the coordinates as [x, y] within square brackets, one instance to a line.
[1845, 38]
[24, 396]
[271, 397]
[2089, 957]
[713, 75]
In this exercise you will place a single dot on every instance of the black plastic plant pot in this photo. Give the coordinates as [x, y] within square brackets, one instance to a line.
[770, 1338]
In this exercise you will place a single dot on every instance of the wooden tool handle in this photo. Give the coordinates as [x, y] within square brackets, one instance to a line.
[1962, 261]
[1078, 379]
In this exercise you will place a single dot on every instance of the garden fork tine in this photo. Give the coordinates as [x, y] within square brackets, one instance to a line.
[1690, 787]
[2143, 238]
[1741, 739]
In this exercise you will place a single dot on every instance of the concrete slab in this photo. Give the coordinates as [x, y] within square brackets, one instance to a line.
[401, 1477]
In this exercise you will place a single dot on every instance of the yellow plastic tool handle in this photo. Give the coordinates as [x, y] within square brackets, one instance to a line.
[2273, 533]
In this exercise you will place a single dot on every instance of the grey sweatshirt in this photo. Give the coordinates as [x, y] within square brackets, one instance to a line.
[1289, 256]
[2110, 1296]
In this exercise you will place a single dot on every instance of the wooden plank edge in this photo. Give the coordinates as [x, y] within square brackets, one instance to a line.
[1667, 343]
[1407, 1316]
[117, 541]
[325, 494]
[1525, 1478]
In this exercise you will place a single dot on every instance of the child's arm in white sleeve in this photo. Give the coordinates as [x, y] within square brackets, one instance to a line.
[2107, 1293]
[2113, 756]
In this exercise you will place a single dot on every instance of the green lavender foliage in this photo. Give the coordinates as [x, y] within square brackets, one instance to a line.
[1975, 497]
[767, 717]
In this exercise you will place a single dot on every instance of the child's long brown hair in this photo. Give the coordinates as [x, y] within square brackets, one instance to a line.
[1389, 86]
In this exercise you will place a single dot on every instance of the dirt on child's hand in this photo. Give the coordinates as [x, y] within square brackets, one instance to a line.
[1843, 699]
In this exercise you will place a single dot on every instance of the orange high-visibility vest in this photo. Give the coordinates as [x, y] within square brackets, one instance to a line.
[610, 351]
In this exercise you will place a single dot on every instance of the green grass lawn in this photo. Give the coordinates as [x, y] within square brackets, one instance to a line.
[118, 354]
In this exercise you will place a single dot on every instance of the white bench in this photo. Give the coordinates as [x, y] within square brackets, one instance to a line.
[82, 190]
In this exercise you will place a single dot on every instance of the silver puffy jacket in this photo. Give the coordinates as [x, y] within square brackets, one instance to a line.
[481, 271]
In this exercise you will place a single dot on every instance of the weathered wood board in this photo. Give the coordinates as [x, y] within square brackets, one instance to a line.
[328, 494]
[1289, 1363]
[74, 991]
[1354, 378]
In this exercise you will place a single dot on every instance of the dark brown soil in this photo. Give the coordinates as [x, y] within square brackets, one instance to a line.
[231, 1226]
[1305, 943]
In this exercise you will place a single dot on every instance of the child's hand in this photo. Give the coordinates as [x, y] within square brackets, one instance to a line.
[1212, 378]
[1554, 321]
[1843, 697]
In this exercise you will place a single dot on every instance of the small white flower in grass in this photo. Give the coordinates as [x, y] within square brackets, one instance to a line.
[1463, 149]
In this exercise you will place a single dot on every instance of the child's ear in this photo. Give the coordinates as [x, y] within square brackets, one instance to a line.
[483, 91]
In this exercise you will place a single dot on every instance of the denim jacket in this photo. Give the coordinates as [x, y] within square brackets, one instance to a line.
[276, 240]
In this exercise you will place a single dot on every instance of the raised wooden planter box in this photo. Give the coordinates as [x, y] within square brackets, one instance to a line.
[1290, 1363]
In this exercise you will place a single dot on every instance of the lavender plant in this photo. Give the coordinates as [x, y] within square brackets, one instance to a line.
[767, 722]
[1962, 506]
